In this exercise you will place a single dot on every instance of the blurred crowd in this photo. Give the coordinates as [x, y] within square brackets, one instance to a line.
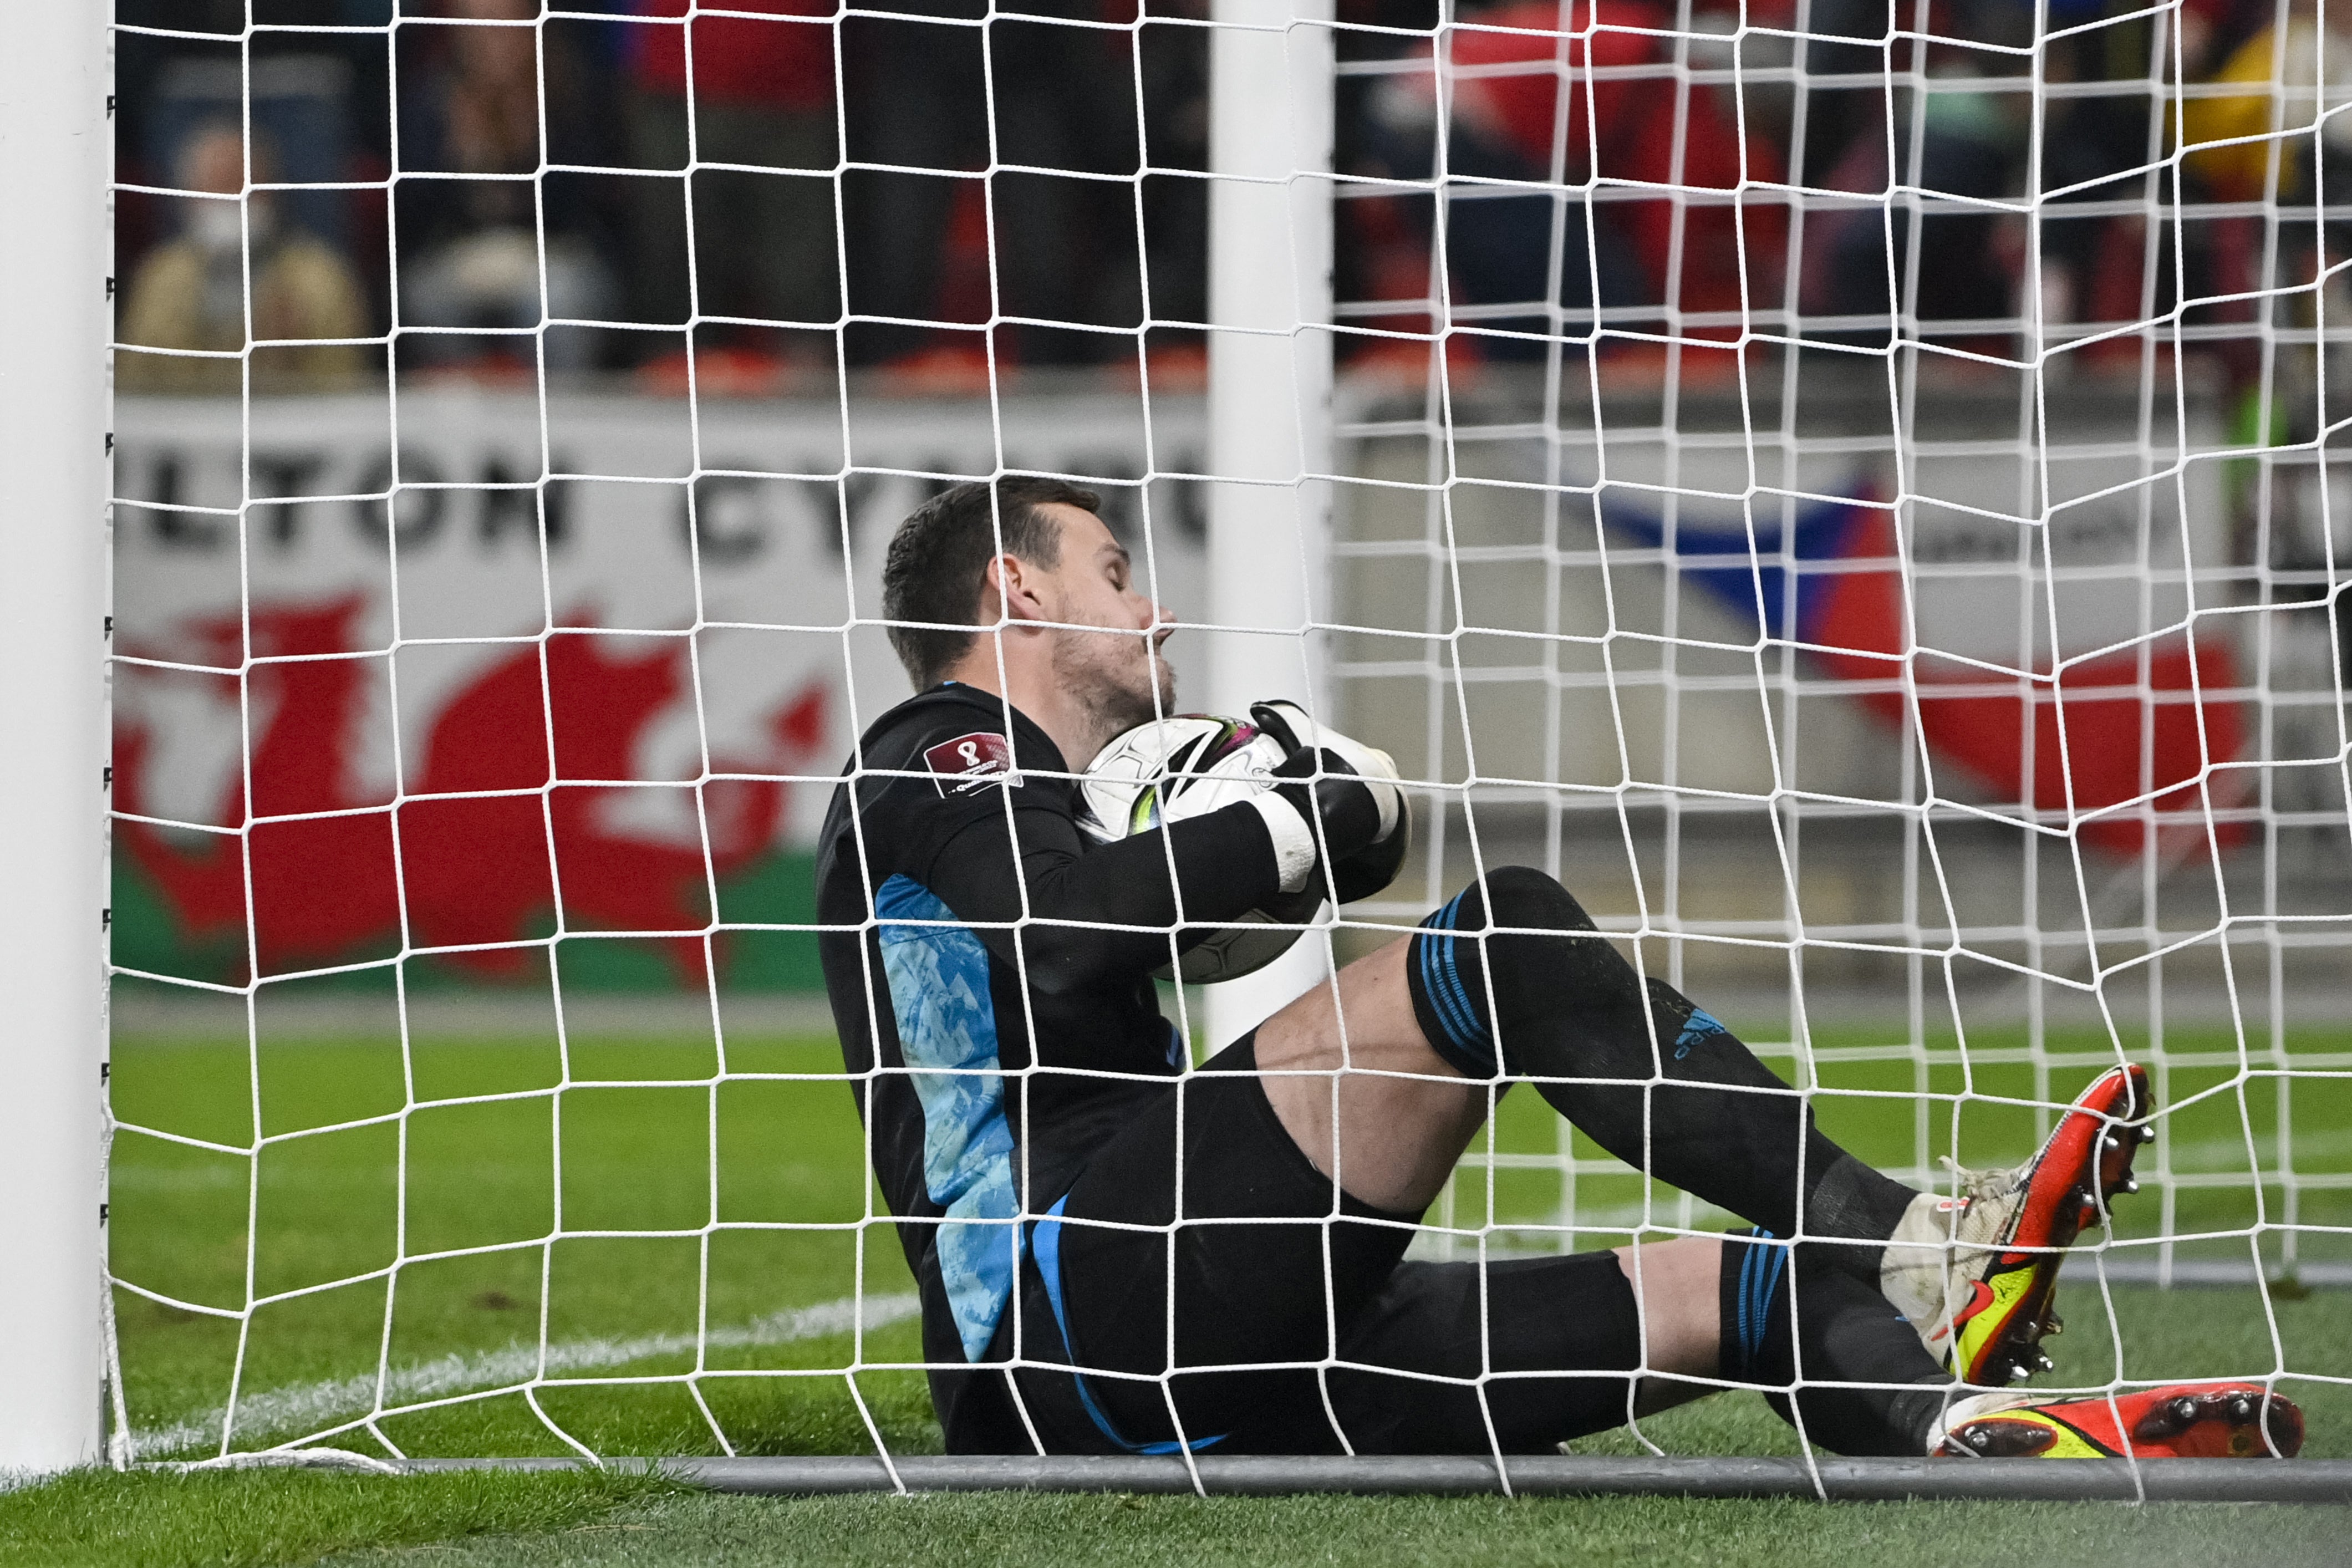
[617, 173]
[1664, 97]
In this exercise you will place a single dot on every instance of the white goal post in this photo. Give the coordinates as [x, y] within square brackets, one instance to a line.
[1269, 389]
[1945, 683]
[56, 148]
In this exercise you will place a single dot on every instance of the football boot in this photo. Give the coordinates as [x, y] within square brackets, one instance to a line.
[1974, 1273]
[2180, 1421]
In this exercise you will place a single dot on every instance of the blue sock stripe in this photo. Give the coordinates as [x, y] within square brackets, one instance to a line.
[1760, 1280]
[1760, 1303]
[1752, 1310]
[1483, 1037]
[1772, 1272]
[1738, 1361]
[1478, 1040]
[1767, 1285]
[1764, 1256]
[1462, 1032]
[1747, 1308]
[1441, 980]
[1046, 1249]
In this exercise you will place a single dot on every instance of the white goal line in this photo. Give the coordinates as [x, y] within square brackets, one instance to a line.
[302, 1408]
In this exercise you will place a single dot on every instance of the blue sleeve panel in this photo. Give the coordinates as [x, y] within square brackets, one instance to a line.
[937, 973]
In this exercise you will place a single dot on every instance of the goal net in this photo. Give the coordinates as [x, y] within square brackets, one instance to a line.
[1846, 489]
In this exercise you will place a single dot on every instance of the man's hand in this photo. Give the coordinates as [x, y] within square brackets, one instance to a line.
[1348, 793]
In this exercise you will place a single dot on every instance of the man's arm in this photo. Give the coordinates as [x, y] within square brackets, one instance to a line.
[1226, 864]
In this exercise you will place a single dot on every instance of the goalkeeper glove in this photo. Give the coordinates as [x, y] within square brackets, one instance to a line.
[1346, 788]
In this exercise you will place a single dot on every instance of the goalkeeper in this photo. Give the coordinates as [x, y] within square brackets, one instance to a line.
[1116, 1256]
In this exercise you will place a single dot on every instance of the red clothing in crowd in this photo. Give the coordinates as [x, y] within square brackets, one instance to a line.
[1637, 117]
[782, 65]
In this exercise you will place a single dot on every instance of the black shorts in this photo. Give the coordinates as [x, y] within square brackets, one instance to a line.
[1275, 1314]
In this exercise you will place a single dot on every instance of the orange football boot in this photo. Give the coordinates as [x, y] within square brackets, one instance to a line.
[1975, 1273]
[2180, 1421]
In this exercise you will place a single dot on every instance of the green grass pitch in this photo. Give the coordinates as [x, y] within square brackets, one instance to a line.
[724, 1203]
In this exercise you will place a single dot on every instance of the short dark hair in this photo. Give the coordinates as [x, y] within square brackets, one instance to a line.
[940, 556]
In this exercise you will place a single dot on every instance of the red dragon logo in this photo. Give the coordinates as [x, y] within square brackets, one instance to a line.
[448, 868]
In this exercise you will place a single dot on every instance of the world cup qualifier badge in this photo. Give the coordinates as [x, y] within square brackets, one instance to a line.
[967, 762]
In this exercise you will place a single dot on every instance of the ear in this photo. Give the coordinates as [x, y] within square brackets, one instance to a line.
[1019, 588]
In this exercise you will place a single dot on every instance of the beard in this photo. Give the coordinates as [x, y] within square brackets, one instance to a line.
[1119, 679]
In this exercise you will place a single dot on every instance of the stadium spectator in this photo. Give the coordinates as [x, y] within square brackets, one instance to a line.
[470, 126]
[735, 90]
[2235, 143]
[1971, 148]
[488, 243]
[1842, 58]
[190, 293]
[1507, 64]
[1063, 98]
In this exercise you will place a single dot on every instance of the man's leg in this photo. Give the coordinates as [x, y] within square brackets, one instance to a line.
[1805, 1331]
[1391, 1126]
[1254, 1216]
[1523, 1354]
[1520, 1355]
[1141, 1272]
[1511, 979]
[1303, 1308]
[1194, 1276]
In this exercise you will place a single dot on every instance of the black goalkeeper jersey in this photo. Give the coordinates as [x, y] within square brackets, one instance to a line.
[972, 931]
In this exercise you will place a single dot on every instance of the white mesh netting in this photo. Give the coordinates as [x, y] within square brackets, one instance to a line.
[1846, 487]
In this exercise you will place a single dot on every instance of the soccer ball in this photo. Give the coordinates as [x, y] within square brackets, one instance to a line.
[1172, 769]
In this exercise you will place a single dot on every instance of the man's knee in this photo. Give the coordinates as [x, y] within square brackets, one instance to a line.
[1525, 926]
[1513, 944]
[1521, 897]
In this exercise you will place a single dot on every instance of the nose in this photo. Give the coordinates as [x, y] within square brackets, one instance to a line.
[1163, 623]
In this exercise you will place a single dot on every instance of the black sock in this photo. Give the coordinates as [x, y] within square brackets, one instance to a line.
[1842, 1331]
[1723, 1127]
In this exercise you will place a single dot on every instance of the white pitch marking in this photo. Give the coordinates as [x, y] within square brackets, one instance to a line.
[311, 1405]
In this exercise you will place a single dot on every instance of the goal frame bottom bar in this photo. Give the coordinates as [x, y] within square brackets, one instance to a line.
[1834, 1481]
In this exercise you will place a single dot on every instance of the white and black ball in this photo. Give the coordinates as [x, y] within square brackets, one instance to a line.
[1172, 769]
